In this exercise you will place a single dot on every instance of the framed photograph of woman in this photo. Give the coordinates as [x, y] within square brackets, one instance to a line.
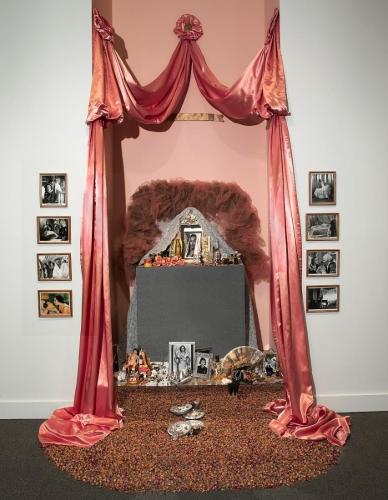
[181, 358]
[192, 242]
[54, 266]
[322, 298]
[322, 227]
[202, 367]
[322, 263]
[55, 303]
[322, 188]
[53, 190]
[53, 229]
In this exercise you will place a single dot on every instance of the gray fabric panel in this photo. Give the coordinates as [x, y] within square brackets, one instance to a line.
[207, 305]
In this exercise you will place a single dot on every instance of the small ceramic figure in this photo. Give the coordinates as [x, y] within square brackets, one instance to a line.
[132, 362]
[144, 364]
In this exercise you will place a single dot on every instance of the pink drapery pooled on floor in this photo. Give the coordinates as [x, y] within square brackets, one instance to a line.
[259, 94]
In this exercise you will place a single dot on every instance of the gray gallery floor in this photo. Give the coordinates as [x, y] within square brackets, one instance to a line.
[362, 473]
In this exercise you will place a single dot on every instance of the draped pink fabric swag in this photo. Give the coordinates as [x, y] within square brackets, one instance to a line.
[259, 94]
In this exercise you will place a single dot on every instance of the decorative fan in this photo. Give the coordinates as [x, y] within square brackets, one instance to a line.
[241, 357]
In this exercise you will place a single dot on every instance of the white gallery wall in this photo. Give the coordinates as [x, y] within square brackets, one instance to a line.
[45, 60]
[336, 63]
[335, 57]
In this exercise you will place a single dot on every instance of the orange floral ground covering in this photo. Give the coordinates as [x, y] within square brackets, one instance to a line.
[236, 450]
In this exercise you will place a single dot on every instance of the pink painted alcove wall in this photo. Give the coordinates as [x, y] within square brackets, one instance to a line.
[234, 32]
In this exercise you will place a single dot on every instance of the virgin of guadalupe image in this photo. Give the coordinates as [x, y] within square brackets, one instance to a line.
[193, 246]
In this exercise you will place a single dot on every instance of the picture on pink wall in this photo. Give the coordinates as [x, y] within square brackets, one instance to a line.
[322, 188]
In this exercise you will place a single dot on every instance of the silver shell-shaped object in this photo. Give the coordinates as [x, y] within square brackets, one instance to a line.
[179, 429]
[194, 414]
[181, 409]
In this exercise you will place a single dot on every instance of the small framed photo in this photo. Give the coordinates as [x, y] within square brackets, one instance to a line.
[55, 303]
[322, 227]
[181, 358]
[322, 298]
[53, 190]
[54, 266]
[202, 367]
[54, 229]
[192, 242]
[322, 263]
[322, 188]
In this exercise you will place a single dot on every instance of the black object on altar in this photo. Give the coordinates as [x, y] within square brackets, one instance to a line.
[204, 304]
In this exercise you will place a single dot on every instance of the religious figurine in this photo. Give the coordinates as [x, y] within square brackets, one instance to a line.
[237, 377]
[132, 363]
[217, 256]
[144, 364]
[237, 258]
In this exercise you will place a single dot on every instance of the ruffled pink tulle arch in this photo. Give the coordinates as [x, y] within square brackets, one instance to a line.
[259, 94]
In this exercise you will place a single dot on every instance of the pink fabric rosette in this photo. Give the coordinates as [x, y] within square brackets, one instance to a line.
[188, 27]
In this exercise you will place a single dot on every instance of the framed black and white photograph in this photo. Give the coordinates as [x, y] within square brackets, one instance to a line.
[322, 298]
[322, 188]
[55, 303]
[322, 227]
[192, 242]
[53, 190]
[54, 267]
[181, 358]
[322, 263]
[202, 367]
[53, 229]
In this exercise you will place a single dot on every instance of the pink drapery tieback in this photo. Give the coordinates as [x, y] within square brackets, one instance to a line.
[260, 93]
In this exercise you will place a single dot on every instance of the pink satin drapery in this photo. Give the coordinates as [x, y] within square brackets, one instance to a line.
[259, 94]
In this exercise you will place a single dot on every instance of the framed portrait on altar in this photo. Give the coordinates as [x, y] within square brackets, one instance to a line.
[203, 365]
[53, 229]
[53, 190]
[322, 263]
[322, 227]
[54, 266]
[322, 188]
[55, 303]
[181, 357]
[192, 242]
[322, 298]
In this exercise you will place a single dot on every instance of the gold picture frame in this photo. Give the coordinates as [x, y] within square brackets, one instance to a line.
[322, 188]
[322, 263]
[55, 303]
[322, 226]
[53, 190]
[47, 264]
[322, 298]
[52, 229]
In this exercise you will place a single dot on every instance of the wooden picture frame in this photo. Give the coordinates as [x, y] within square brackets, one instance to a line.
[52, 230]
[47, 264]
[55, 303]
[321, 298]
[322, 226]
[322, 188]
[322, 263]
[53, 190]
